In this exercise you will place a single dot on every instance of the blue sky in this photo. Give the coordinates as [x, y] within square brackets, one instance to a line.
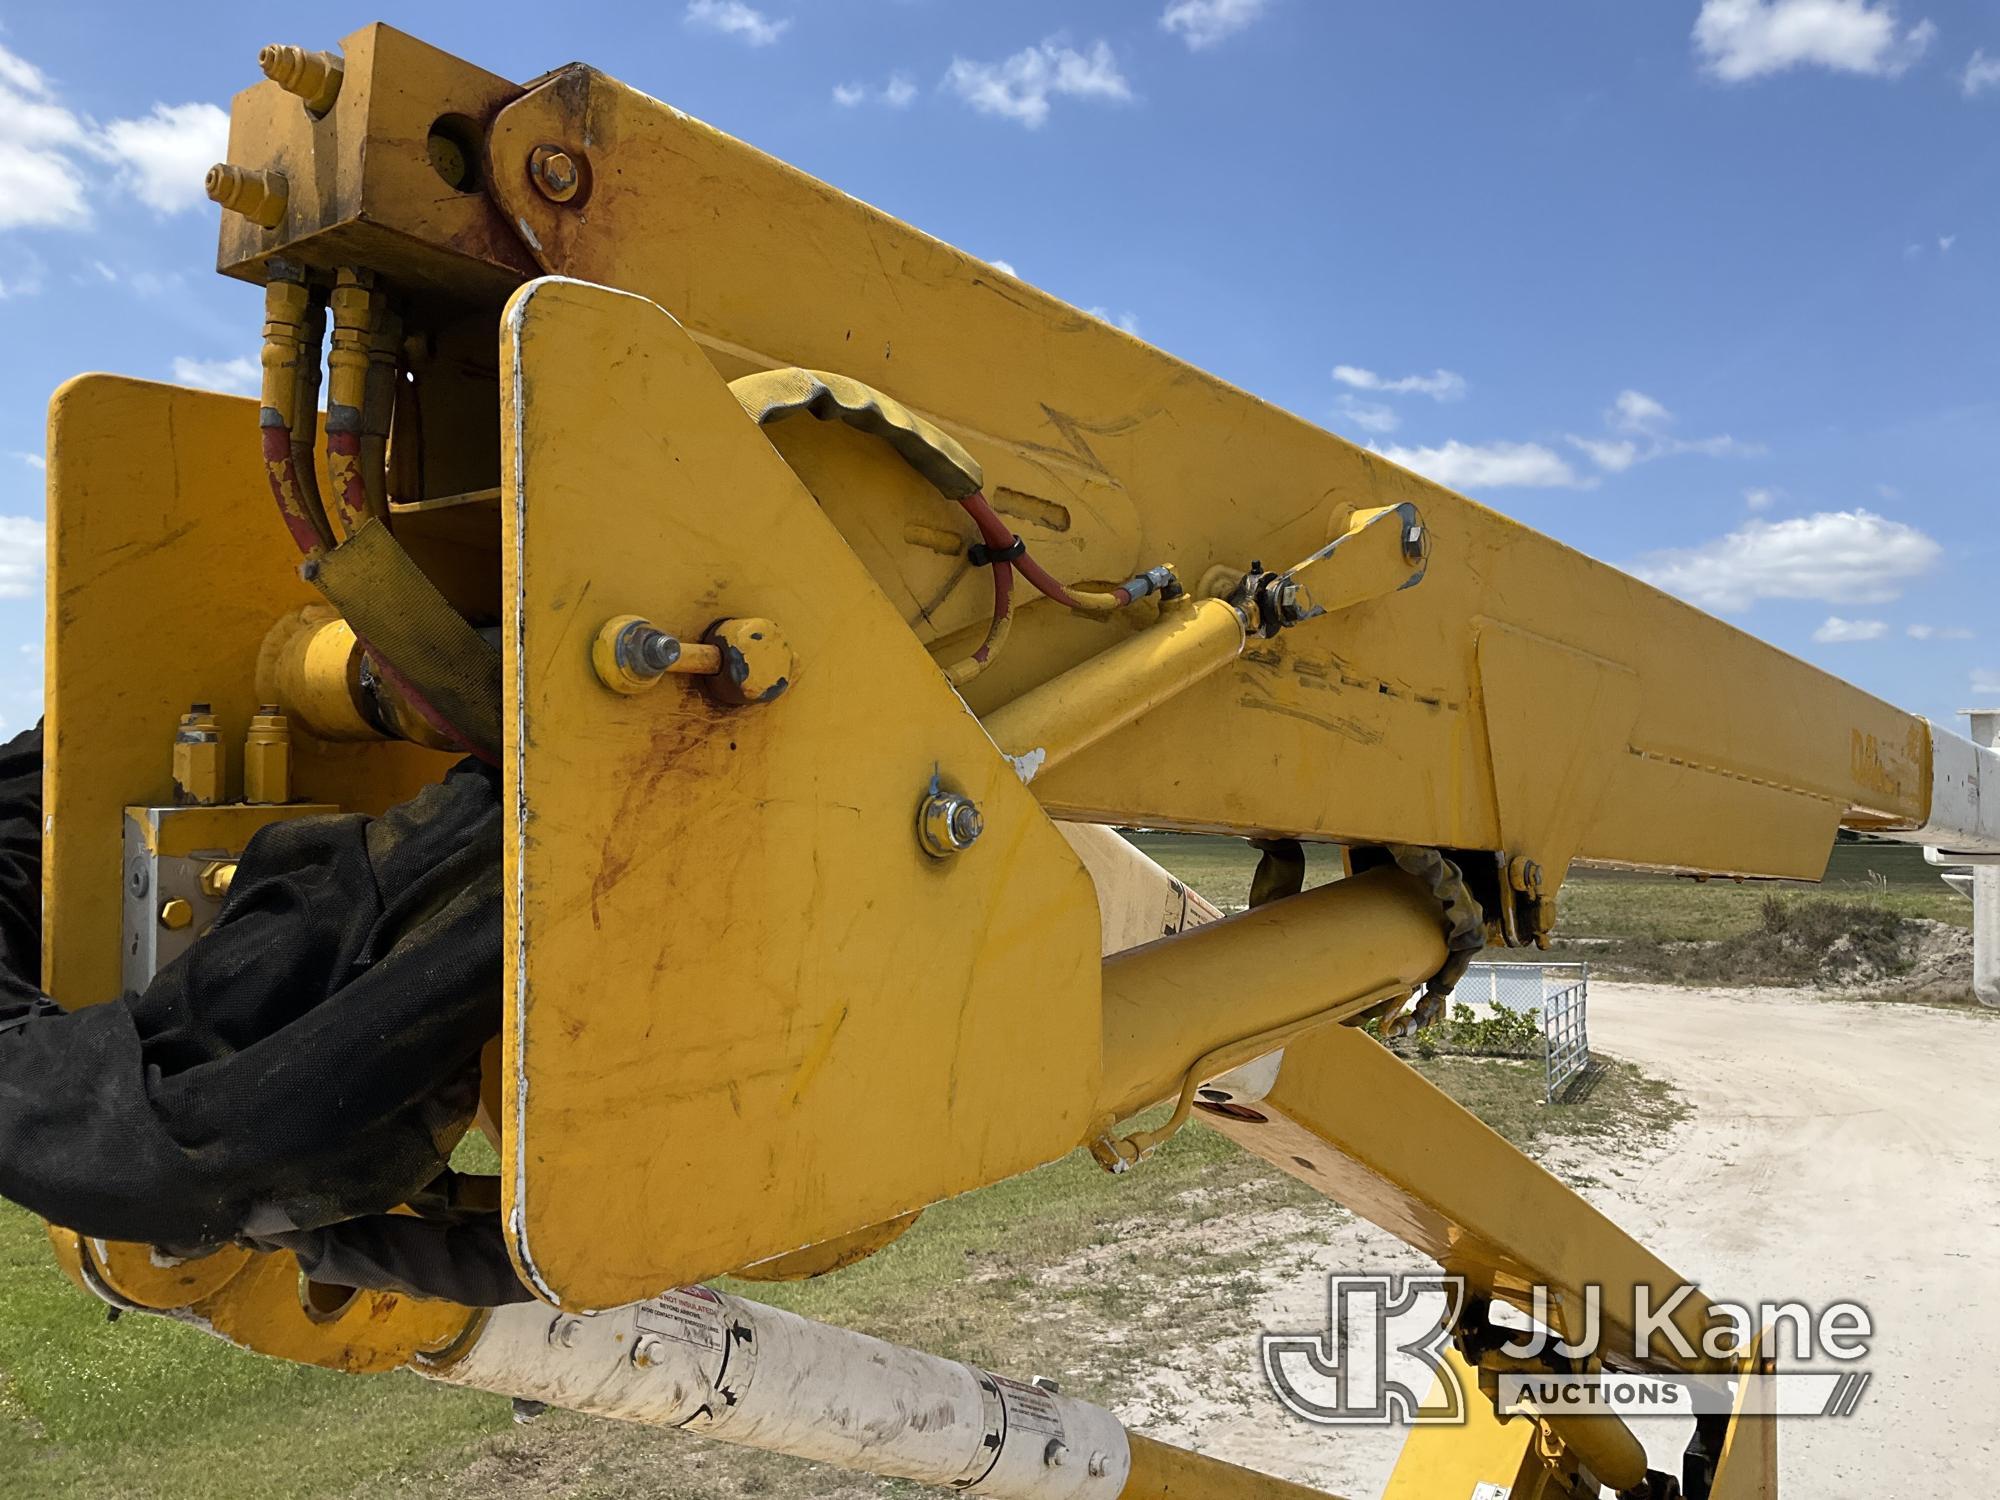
[1704, 288]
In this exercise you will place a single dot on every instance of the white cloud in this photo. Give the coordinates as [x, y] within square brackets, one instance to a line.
[1759, 499]
[39, 188]
[1720, 446]
[23, 545]
[1981, 73]
[1648, 423]
[1127, 321]
[734, 18]
[1839, 557]
[1986, 684]
[1945, 242]
[1020, 87]
[895, 94]
[163, 158]
[1486, 466]
[1635, 411]
[46, 151]
[239, 376]
[1613, 455]
[23, 278]
[1370, 415]
[32, 460]
[1203, 23]
[1004, 265]
[1837, 631]
[1744, 39]
[1439, 385]
[1937, 632]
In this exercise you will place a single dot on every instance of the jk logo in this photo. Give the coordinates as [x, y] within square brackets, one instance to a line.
[1380, 1354]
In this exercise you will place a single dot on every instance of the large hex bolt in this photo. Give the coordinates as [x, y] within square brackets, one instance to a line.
[556, 173]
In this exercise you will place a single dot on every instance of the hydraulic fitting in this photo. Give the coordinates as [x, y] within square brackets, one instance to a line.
[198, 758]
[259, 196]
[267, 757]
[314, 76]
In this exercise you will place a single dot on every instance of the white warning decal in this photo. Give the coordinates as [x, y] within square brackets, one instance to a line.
[1029, 1408]
[691, 1315]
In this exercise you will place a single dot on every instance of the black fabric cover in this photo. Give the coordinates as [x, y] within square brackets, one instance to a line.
[309, 1061]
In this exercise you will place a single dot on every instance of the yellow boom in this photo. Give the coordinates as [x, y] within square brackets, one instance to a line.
[799, 571]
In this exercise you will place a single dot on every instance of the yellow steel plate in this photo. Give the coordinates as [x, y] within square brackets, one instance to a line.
[167, 566]
[745, 1012]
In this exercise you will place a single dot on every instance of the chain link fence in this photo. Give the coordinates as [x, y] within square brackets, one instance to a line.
[1559, 993]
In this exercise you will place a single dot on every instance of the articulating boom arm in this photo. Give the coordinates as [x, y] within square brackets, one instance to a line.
[784, 712]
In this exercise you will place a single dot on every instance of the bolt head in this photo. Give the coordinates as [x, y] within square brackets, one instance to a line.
[555, 173]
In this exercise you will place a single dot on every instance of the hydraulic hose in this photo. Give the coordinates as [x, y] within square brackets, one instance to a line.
[287, 305]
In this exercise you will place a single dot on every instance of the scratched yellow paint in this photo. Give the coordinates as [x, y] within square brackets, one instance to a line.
[747, 1012]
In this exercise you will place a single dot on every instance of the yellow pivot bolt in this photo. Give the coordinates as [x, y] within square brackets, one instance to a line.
[258, 196]
[631, 654]
[314, 76]
[739, 662]
[176, 914]
[198, 759]
[267, 757]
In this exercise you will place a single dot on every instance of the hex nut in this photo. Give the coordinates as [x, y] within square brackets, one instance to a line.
[948, 823]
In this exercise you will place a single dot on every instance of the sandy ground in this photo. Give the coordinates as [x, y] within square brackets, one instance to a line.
[1836, 1151]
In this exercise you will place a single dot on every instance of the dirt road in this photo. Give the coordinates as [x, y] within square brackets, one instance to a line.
[1835, 1151]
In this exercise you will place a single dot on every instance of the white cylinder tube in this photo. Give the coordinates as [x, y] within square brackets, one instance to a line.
[747, 1373]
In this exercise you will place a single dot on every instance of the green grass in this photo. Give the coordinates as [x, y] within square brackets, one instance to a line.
[148, 1409]
[145, 1407]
